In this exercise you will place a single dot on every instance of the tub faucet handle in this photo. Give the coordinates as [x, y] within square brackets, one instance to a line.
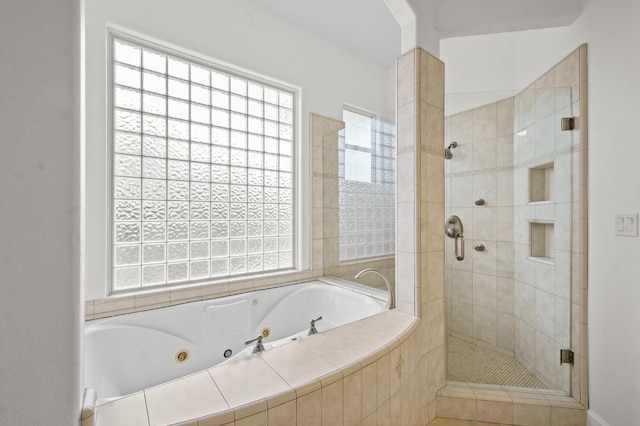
[312, 326]
[259, 347]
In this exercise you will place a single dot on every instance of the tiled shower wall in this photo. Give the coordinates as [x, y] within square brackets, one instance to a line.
[544, 223]
[533, 225]
[480, 288]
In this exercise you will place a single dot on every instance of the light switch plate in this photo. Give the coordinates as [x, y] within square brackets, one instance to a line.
[627, 225]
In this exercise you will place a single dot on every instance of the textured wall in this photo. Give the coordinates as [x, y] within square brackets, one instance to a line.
[40, 322]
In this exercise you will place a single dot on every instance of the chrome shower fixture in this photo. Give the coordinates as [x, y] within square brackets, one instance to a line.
[448, 155]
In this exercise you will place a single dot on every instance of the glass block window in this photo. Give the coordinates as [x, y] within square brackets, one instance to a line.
[203, 170]
[366, 185]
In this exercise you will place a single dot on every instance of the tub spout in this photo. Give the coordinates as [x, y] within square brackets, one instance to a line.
[259, 347]
[391, 302]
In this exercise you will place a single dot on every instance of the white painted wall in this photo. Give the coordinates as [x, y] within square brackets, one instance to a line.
[612, 32]
[484, 69]
[237, 32]
[40, 292]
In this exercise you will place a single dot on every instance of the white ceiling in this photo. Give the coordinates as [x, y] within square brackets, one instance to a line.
[472, 17]
[368, 28]
[363, 26]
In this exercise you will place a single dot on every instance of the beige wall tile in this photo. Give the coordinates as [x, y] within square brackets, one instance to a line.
[492, 411]
[371, 420]
[504, 117]
[406, 128]
[506, 332]
[485, 122]
[382, 379]
[309, 409]
[369, 390]
[395, 407]
[259, 419]
[526, 108]
[231, 379]
[435, 173]
[219, 419]
[250, 409]
[456, 408]
[437, 371]
[406, 67]
[531, 415]
[462, 318]
[435, 324]
[485, 325]
[545, 101]
[485, 155]
[431, 127]
[332, 404]
[485, 291]
[282, 414]
[432, 80]
[384, 414]
[568, 417]
[461, 128]
[568, 70]
[286, 362]
[104, 306]
[353, 398]
[462, 160]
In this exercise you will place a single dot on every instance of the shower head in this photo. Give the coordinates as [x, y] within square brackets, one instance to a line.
[448, 155]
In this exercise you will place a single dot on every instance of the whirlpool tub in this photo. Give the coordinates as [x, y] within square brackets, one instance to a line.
[128, 353]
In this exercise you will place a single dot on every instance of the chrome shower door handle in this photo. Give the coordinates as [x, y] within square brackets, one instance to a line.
[453, 229]
[460, 254]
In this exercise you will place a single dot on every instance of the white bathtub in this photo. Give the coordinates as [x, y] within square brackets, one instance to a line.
[128, 353]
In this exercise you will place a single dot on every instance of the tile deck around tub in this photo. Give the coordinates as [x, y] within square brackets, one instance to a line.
[254, 386]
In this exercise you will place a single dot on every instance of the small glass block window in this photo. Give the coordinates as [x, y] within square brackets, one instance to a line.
[366, 187]
[203, 170]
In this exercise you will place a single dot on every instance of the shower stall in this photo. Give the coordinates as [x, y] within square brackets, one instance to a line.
[514, 176]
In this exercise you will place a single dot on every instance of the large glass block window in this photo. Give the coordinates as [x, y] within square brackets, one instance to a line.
[203, 173]
[366, 183]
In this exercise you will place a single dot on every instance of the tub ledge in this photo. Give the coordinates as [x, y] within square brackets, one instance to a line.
[297, 379]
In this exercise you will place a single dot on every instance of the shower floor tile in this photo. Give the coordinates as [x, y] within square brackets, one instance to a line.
[468, 362]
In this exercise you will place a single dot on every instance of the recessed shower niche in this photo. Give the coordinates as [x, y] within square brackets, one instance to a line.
[541, 183]
[542, 242]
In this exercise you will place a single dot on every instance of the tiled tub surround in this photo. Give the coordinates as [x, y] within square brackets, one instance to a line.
[366, 372]
[549, 284]
[128, 353]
